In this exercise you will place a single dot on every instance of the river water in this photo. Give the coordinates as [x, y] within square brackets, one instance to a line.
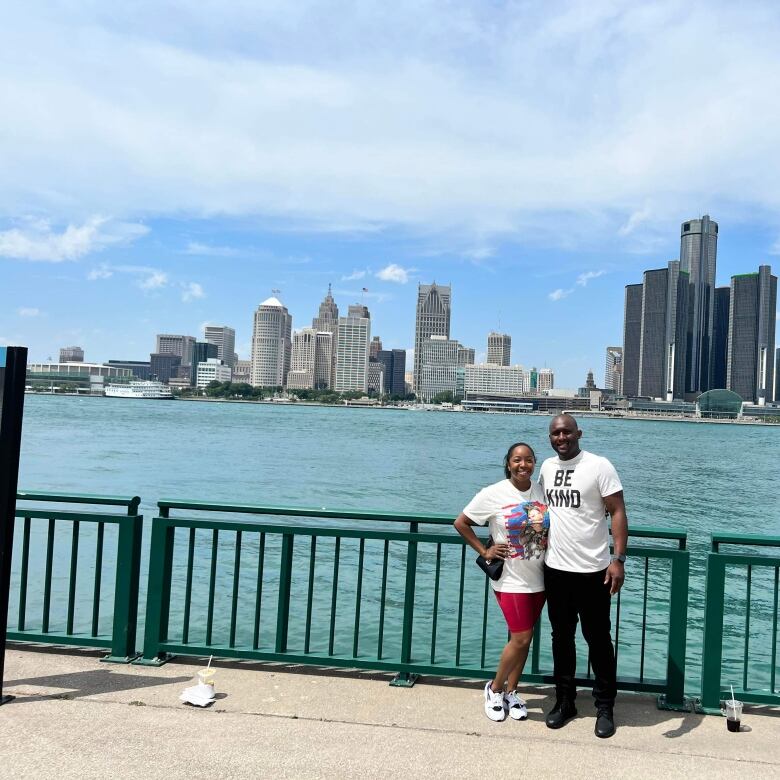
[698, 477]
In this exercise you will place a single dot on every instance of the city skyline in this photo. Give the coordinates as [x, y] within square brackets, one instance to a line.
[535, 158]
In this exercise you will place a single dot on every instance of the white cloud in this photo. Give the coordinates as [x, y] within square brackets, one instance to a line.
[153, 280]
[583, 279]
[192, 291]
[775, 248]
[496, 118]
[25, 311]
[101, 272]
[394, 273]
[355, 275]
[38, 241]
[559, 294]
[206, 250]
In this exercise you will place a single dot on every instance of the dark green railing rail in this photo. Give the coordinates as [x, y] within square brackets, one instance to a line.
[408, 601]
[40, 628]
[746, 623]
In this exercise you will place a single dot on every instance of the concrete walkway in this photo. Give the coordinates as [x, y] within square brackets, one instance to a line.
[76, 717]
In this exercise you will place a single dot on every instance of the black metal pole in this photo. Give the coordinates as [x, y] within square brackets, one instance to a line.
[13, 370]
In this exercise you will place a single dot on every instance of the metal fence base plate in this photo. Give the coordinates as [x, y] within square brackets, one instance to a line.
[688, 704]
[156, 661]
[404, 680]
[119, 659]
[699, 708]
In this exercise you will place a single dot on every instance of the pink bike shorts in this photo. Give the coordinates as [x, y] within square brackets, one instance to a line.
[521, 610]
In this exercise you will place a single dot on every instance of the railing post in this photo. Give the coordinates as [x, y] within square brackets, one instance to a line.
[128, 573]
[158, 594]
[674, 698]
[712, 650]
[406, 679]
[285, 583]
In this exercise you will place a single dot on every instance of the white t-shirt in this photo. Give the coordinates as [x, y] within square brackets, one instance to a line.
[519, 519]
[574, 490]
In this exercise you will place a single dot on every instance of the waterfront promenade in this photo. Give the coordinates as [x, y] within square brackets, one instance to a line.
[76, 717]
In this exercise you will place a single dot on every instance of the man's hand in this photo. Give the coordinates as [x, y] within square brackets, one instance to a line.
[615, 575]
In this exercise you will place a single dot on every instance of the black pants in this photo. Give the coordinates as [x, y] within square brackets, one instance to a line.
[570, 596]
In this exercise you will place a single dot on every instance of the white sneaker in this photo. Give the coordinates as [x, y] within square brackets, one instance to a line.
[516, 705]
[494, 704]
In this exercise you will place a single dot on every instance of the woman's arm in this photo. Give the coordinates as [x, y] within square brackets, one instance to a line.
[465, 527]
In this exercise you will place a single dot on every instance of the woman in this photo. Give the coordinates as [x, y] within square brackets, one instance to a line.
[519, 523]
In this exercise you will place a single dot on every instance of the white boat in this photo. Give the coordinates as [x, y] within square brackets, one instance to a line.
[139, 389]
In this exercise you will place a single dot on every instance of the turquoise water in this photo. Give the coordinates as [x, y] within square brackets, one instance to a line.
[699, 477]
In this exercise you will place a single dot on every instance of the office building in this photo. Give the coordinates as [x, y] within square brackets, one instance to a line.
[212, 370]
[632, 336]
[465, 355]
[141, 369]
[376, 377]
[201, 352]
[499, 348]
[613, 370]
[164, 366]
[545, 381]
[242, 372]
[327, 321]
[394, 361]
[271, 344]
[75, 375]
[777, 375]
[432, 319]
[698, 254]
[71, 355]
[495, 379]
[720, 337]
[225, 340]
[354, 334]
[374, 348]
[324, 360]
[170, 344]
[439, 369]
[655, 338]
[304, 348]
[751, 340]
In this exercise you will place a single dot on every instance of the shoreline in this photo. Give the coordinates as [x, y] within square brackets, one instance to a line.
[577, 413]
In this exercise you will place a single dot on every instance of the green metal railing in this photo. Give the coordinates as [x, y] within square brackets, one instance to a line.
[741, 612]
[80, 623]
[408, 601]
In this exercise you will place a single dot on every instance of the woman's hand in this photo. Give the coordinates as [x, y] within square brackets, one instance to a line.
[496, 551]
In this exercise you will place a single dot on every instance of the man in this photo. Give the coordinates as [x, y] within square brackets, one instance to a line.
[579, 576]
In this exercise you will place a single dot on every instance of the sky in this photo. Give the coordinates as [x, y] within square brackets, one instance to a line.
[166, 165]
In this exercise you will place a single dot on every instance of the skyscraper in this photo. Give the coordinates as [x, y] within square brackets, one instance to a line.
[698, 253]
[374, 348]
[327, 321]
[271, 345]
[394, 361]
[720, 337]
[613, 370]
[499, 348]
[465, 355]
[675, 331]
[751, 341]
[201, 352]
[632, 333]
[653, 331]
[433, 319]
[354, 333]
[225, 339]
[323, 360]
[438, 372]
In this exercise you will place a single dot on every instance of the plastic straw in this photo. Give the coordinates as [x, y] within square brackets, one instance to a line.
[733, 700]
[208, 666]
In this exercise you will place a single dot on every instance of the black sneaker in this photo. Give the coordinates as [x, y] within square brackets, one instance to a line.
[605, 722]
[563, 711]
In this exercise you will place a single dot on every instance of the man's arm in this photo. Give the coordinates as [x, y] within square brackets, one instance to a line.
[617, 512]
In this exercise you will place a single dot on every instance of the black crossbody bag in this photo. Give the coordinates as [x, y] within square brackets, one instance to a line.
[493, 568]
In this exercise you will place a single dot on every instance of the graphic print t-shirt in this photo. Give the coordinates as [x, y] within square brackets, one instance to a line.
[520, 520]
[574, 491]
